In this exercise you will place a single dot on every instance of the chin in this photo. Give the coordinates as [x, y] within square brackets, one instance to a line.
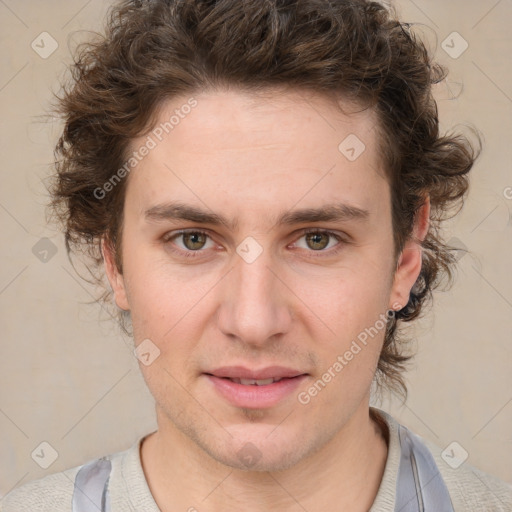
[263, 461]
[260, 449]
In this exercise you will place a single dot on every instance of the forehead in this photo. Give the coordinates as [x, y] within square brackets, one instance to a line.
[233, 117]
[244, 150]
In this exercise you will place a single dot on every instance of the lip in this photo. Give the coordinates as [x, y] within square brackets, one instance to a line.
[240, 372]
[254, 396]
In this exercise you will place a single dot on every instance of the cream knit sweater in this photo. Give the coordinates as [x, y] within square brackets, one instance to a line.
[470, 490]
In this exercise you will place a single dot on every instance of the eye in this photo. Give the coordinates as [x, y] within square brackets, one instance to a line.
[317, 240]
[193, 241]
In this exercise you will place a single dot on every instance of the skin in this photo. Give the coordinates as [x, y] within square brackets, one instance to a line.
[251, 158]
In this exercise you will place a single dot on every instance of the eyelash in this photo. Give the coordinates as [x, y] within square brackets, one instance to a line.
[193, 254]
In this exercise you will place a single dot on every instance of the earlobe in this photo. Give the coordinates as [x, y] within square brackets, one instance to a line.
[409, 263]
[114, 277]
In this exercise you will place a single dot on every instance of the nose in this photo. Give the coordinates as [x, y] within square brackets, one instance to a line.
[256, 302]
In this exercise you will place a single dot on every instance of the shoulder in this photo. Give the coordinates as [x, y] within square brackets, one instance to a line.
[52, 493]
[470, 488]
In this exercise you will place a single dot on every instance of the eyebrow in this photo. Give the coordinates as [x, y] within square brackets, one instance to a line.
[327, 213]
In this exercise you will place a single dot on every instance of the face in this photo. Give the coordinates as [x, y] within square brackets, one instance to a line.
[256, 246]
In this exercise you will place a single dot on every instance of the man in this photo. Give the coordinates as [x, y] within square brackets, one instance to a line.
[258, 179]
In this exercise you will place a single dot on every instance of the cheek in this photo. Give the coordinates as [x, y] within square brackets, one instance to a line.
[353, 312]
[167, 306]
[153, 302]
[347, 301]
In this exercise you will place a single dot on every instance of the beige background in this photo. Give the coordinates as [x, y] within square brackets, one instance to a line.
[69, 378]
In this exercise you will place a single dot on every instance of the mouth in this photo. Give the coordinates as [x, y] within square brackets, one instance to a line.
[254, 382]
[255, 389]
[251, 377]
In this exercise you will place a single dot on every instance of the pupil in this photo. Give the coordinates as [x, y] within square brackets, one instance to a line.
[315, 239]
[193, 237]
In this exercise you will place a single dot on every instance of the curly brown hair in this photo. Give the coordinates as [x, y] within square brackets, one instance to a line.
[358, 50]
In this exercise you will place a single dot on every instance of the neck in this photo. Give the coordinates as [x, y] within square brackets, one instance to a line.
[347, 471]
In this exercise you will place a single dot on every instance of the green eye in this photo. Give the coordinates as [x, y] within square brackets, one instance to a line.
[194, 240]
[316, 240]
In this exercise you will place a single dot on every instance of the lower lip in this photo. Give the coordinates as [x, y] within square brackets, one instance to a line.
[253, 396]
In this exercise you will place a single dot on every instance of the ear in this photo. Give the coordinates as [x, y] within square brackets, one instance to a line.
[115, 278]
[409, 264]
